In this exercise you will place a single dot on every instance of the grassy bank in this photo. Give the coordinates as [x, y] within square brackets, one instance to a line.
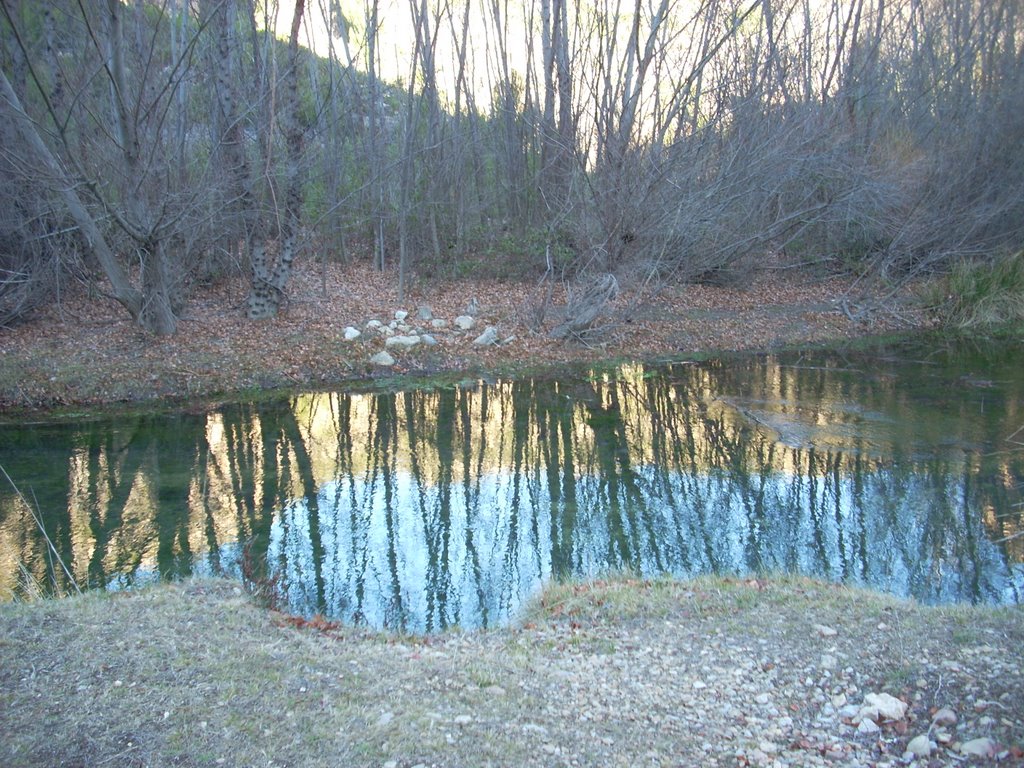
[622, 672]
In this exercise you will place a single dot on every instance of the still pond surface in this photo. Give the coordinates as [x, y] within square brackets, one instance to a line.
[898, 469]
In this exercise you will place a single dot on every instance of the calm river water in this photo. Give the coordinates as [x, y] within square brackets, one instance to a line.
[899, 469]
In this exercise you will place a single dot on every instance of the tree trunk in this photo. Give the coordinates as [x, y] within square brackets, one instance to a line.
[124, 293]
[268, 282]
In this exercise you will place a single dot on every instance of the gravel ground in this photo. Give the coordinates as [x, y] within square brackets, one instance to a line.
[615, 673]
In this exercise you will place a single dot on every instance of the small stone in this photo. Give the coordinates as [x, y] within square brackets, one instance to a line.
[400, 316]
[424, 313]
[867, 726]
[762, 698]
[882, 706]
[427, 339]
[920, 746]
[839, 700]
[768, 747]
[385, 719]
[463, 719]
[351, 334]
[486, 339]
[825, 631]
[373, 325]
[438, 324]
[850, 711]
[944, 716]
[402, 342]
[828, 661]
[464, 322]
[383, 359]
[494, 690]
[982, 747]
[390, 764]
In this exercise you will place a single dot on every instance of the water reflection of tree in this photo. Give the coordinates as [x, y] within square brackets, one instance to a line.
[427, 509]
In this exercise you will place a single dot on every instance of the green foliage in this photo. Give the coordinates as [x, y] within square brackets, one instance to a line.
[987, 294]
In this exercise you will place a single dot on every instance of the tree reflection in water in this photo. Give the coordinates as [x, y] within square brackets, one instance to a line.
[431, 508]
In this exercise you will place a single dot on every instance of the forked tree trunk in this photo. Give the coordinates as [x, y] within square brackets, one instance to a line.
[269, 279]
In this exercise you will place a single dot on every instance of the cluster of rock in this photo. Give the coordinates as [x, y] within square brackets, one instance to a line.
[405, 332]
[879, 709]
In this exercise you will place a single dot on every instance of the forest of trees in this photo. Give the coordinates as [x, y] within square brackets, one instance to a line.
[146, 147]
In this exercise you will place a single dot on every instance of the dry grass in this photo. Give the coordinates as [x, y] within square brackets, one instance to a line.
[194, 674]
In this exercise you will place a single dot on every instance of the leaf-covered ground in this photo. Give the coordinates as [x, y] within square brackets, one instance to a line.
[85, 350]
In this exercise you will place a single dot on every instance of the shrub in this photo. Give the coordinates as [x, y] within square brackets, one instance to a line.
[986, 294]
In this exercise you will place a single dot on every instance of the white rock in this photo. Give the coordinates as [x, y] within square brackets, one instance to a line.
[438, 324]
[402, 342]
[486, 339]
[351, 334]
[762, 698]
[400, 316]
[373, 325]
[424, 313]
[385, 719]
[383, 359]
[849, 711]
[944, 716]
[464, 322]
[920, 746]
[429, 340]
[867, 726]
[882, 706]
[825, 631]
[982, 747]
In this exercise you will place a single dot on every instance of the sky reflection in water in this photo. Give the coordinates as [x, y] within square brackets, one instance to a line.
[425, 509]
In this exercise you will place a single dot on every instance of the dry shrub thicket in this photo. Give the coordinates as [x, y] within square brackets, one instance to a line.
[653, 141]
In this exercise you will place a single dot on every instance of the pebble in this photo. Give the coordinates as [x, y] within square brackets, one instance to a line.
[983, 747]
[944, 716]
[867, 726]
[920, 746]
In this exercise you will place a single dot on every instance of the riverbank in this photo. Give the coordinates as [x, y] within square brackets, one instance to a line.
[622, 672]
[85, 351]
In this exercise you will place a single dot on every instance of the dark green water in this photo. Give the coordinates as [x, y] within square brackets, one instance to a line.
[900, 470]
